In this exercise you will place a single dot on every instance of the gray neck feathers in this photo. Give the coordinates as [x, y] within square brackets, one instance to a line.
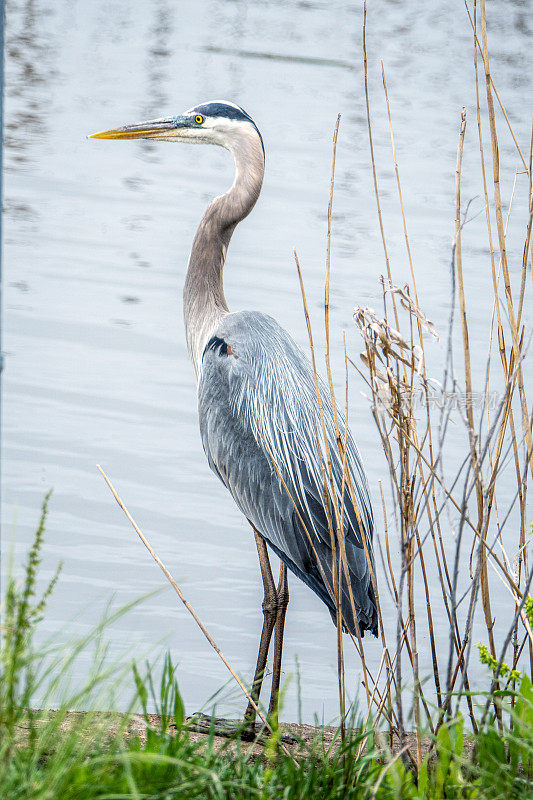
[204, 303]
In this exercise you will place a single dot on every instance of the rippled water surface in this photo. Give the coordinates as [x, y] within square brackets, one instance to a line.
[97, 237]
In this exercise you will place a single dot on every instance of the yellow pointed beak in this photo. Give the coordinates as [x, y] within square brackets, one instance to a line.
[153, 129]
[122, 133]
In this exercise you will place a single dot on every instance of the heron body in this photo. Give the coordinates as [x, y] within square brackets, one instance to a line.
[259, 411]
[260, 420]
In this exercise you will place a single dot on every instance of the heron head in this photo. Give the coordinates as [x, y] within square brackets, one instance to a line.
[208, 123]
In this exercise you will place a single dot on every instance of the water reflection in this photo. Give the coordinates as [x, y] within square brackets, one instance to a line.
[157, 62]
[322, 62]
[30, 57]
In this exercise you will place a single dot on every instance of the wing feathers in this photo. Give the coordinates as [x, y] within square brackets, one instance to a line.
[259, 409]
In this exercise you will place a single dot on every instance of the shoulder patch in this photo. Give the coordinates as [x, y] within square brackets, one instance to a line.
[216, 343]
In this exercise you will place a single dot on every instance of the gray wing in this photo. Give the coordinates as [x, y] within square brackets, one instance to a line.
[257, 405]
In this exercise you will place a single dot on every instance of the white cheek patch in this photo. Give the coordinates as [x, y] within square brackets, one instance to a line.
[217, 130]
[230, 131]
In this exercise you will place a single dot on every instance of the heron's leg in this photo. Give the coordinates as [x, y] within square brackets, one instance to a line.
[270, 607]
[283, 602]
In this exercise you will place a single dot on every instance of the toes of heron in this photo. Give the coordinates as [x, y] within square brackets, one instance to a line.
[202, 723]
[246, 730]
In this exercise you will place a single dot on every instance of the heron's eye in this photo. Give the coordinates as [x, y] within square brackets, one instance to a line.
[198, 119]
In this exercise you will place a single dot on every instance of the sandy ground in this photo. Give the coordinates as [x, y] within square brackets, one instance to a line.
[295, 737]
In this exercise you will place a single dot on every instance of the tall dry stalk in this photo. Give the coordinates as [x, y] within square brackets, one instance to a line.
[188, 606]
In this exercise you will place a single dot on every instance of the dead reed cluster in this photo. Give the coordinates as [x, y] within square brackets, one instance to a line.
[448, 525]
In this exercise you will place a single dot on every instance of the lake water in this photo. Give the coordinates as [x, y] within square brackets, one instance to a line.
[97, 236]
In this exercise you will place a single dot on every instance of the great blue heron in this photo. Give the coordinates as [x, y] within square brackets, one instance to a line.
[258, 409]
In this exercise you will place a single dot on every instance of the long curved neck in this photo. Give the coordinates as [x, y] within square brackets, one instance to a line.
[204, 304]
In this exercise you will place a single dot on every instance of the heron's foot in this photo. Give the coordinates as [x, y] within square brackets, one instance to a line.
[228, 728]
[244, 730]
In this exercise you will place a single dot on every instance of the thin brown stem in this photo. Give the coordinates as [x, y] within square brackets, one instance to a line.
[188, 606]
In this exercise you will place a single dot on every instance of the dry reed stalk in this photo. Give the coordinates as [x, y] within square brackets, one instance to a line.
[425, 387]
[527, 242]
[346, 476]
[385, 650]
[336, 571]
[429, 613]
[507, 367]
[501, 235]
[529, 236]
[394, 591]
[495, 278]
[328, 274]
[341, 446]
[189, 608]
[322, 420]
[496, 304]
[399, 186]
[502, 107]
[387, 548]
[405, 575]
[484, 582]
[459, 266]
[433, 521]
[368, 680]
[523, 552]
[508, 412]
[375, 588]
[374, 174]
[402, 492]
[376, 191]
[405, 459]
[496, 308]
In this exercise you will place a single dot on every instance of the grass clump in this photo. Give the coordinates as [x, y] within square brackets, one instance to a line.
[67, 754]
